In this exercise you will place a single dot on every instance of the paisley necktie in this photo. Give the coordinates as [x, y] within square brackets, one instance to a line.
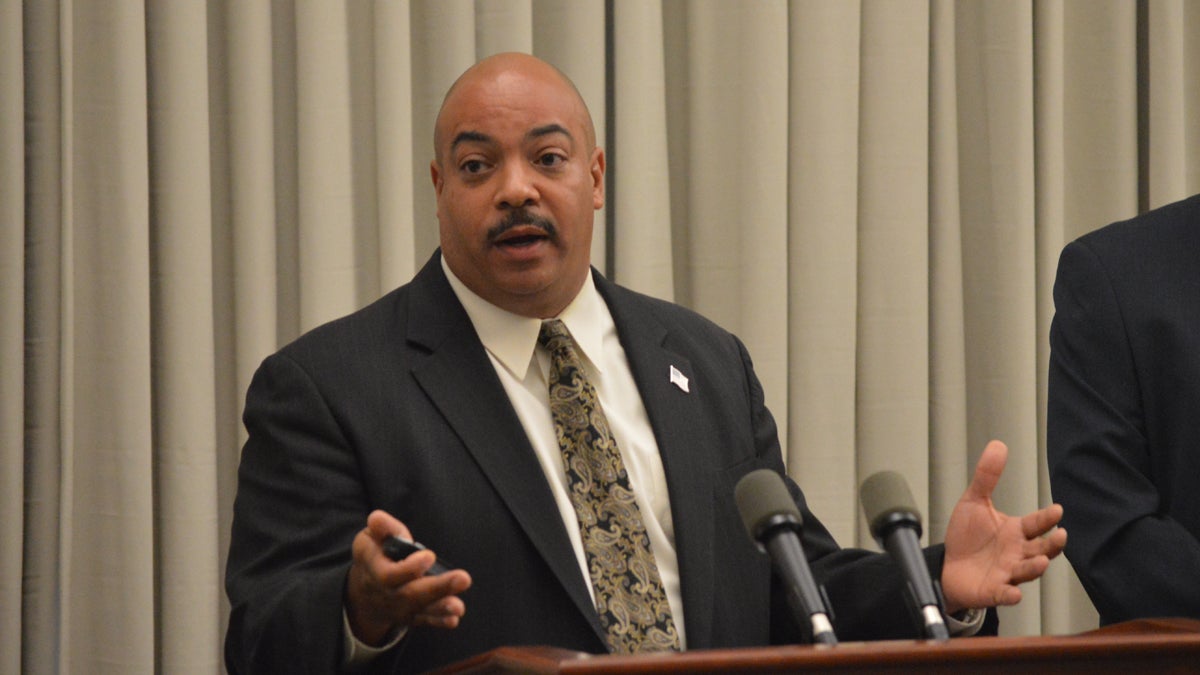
[629, 592]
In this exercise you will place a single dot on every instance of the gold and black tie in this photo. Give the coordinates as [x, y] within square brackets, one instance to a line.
[629, 592]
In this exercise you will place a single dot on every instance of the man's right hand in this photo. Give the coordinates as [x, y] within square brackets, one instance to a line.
[385, 596]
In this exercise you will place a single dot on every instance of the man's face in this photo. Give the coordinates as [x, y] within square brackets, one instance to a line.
[518, 179]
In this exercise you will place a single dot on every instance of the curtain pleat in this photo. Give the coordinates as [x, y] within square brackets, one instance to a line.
[40, 627]
[892, 361]
[948, 464]
[1165, 106]
[1099, 93]
[12, 317]
[995, 130]
[736, 187]
[106, 524]
[183, 348]
[325, 185]
[442, 46]
[1062, 590]
[571, 35]
[246, 236]
[396, 177]
[871, 193]
[503, 26]
[823, 257]
[638, 177]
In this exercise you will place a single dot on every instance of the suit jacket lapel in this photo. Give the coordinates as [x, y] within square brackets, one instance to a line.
[461, 381]
[672, 412]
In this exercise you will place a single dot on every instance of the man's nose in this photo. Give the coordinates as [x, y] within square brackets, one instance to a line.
[518, 186]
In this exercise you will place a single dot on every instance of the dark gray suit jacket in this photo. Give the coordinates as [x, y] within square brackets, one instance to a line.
[397, 407]
[1123, 425]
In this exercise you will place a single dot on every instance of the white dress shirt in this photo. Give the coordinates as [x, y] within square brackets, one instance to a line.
[524, 368]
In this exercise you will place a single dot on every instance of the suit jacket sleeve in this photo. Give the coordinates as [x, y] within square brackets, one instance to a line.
[1133, 557]
[393, 407]
[299, 502]
[866, 590]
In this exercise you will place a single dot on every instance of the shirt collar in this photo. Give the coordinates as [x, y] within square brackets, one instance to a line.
[512, 338]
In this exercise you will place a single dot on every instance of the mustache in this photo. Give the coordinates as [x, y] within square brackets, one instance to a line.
[517, 218]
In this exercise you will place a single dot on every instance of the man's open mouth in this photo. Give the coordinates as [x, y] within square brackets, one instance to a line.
[522, 239]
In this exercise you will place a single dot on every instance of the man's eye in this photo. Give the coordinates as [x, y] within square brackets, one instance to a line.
[551, 159]
[472, 166]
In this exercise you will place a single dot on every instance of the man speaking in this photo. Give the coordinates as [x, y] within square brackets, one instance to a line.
[569, 445]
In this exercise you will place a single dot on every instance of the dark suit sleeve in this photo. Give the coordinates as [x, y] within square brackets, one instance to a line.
[299, 505]
[865, 588]
[1133, 559]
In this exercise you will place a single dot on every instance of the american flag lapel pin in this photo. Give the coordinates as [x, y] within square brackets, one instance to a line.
[679, 380]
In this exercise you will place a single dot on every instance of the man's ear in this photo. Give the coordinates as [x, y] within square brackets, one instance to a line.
[435, 173]
[597, 171]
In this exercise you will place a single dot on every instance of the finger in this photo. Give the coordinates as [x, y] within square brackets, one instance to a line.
[1029, 569]
[400, 572]
[426, 591]
[445, 613]
[367, 552]
[420, 601]
[447, 621]
[374, 575]
[1059, 538]
[988, 470]
[1041, 521]
[437, 620]
[1006, 595]
[365, 549]
[448, 607]
[457, 581]
[382, 524]
[1051, 545]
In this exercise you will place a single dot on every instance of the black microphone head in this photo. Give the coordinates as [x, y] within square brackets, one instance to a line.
[764, 502]
[888, 503]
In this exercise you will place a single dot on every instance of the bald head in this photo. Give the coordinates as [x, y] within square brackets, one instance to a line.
[518, 179]
[508, 69]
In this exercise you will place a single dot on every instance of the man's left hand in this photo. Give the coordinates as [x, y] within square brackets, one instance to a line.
[988, 553]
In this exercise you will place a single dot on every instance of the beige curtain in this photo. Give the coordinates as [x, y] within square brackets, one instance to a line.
[872, 193]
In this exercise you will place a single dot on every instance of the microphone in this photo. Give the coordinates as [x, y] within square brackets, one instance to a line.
[896, 525]
[773, 521]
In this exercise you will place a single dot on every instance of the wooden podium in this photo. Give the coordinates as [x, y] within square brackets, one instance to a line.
[1157, 646]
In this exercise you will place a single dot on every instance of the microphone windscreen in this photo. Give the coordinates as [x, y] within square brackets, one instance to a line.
[885, 497]
[761, 496]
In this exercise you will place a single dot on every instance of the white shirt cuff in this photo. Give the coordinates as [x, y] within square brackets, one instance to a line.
[356, 652]
[968, 625]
